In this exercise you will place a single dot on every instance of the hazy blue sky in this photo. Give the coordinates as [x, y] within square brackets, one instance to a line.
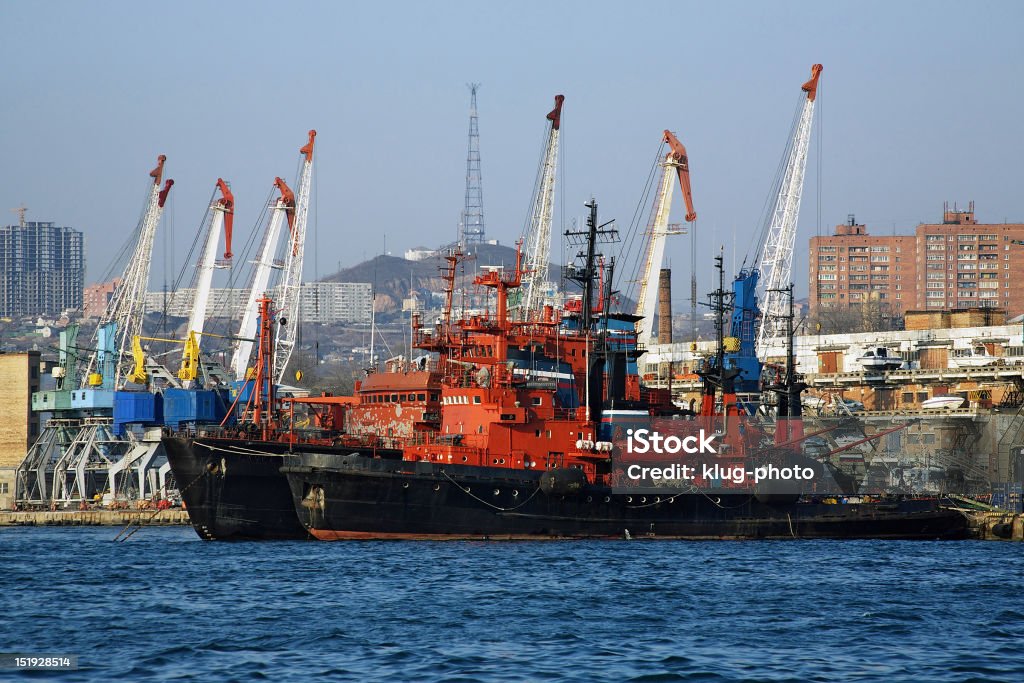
[921, 102]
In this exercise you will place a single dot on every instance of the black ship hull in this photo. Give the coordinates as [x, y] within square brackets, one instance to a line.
[354, 497]
[234, 489]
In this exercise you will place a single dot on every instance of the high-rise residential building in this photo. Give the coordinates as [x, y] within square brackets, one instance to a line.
[42, 269]
[956, 264]
[851, 268]
[964, 264]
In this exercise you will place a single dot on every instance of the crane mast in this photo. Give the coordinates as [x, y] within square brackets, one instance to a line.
[291, 283]
[676, 160]
[777, 257]
[223, 211]
[538, 237]
[122, 319]
[283, 208]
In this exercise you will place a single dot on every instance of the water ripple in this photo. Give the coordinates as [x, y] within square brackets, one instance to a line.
[166, 607]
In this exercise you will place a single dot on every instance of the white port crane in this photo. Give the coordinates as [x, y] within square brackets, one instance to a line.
[538, 232]
[295, 211]
[123, 315]
[777, 258]
[676, 165]
[291, 281]
[223, 216]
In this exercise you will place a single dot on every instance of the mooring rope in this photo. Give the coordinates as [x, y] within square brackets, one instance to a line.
[487, 503]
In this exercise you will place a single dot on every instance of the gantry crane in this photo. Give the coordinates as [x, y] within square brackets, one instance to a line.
[776, 262]
[676, 165]
[538, 232]
[78, 452]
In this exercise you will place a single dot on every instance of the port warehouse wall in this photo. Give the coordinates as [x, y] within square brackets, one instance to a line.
[19, 426]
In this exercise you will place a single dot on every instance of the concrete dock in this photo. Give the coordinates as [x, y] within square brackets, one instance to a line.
[997, 526]
[169, 517]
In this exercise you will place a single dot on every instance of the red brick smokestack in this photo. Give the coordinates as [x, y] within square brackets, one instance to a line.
[665, 306]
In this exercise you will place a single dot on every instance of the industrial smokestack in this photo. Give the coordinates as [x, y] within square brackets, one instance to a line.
[665, 306]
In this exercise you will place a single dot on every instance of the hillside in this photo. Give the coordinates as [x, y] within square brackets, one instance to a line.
[396, 278]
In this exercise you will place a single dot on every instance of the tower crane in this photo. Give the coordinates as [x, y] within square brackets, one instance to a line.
[121, 322]
[675, 160]
[776, 262]
[538, 233]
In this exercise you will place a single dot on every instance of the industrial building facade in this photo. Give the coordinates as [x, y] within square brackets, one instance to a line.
[19, 428]
[956, 264]
[42, 269]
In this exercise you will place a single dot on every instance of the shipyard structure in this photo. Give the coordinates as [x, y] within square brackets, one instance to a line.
[954, 379]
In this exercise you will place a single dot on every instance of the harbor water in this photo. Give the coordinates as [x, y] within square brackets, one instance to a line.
[165, 606]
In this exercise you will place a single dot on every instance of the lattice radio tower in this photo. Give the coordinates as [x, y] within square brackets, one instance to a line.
[472, 224]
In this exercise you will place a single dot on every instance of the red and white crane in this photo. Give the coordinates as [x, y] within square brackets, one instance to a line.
[538, 231]
[675, 166]
[295, 210]
[223, 216]
[123, 315]
[776, 262]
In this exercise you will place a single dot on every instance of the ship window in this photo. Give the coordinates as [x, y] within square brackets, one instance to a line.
[476, 400]
[421, 397]
[435, 396]
[537, 433]
[549, 433]
[394, 398]
[908, 397]
[537, 400]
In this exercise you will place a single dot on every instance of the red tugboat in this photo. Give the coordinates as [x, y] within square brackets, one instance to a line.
[521, 449]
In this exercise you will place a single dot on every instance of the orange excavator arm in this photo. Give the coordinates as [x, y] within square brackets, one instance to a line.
[227, 200]
[678, 154]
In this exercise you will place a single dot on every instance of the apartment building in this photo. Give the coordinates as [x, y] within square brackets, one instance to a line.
[964, 264]
[42, 269]
[851, 268]
[956, 264]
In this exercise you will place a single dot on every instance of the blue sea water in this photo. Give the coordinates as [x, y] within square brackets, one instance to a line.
[165, 606]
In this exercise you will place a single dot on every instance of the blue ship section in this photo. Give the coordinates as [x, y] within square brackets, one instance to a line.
[541, 367]
[194, 406]
[744, 327]
[136, 407]
[615, 423]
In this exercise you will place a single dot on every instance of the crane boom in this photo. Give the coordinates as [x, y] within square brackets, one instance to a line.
[538, 237]
[658, 230]
[122, 319]
[260, 280]
[777, 257]
[223, 214]
[291, 283]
